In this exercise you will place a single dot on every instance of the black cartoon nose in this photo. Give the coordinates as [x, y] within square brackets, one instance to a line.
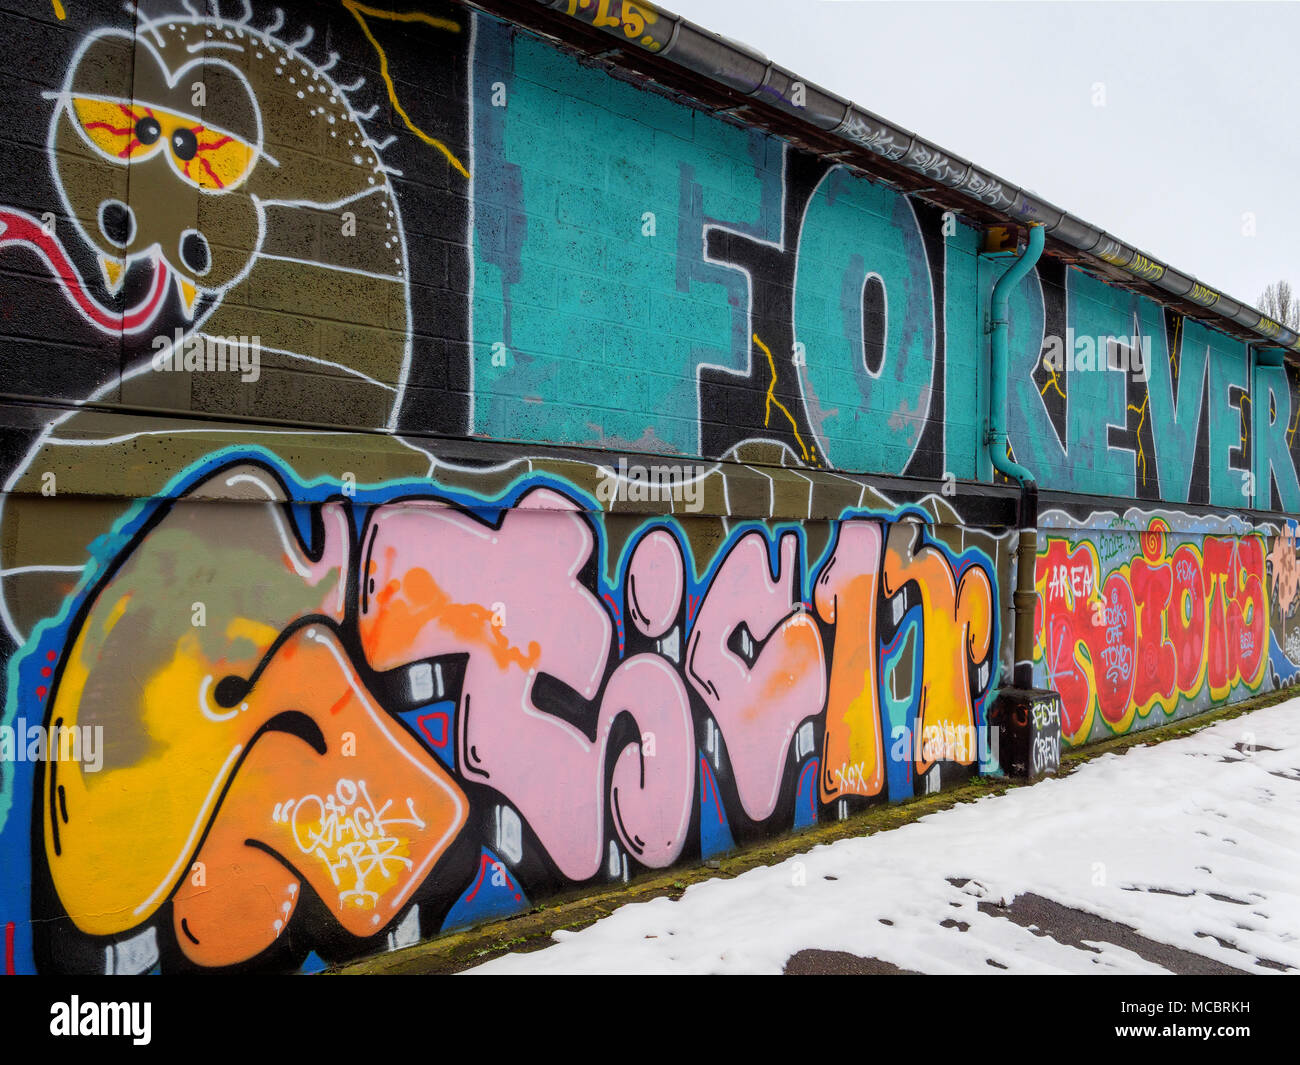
[195, 254]
[117, 222]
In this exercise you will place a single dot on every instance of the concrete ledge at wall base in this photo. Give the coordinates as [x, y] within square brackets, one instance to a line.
[575, 910]
[152, 458]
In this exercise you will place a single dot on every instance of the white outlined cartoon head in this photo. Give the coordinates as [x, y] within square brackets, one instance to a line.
[154, 141]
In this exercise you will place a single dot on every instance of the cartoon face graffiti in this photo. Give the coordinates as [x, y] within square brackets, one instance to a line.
[227, 187]
[189, 129]
[215, 155]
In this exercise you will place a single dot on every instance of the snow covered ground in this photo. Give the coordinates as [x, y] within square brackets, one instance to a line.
[1193, 843]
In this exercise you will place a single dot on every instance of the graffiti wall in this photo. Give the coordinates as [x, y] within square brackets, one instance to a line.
[436, 473]
[322, 721]
[1149, 616]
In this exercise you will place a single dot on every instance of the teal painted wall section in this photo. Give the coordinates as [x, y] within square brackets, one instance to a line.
[1098, 398]
[875, 402]
[1176, 384]
[650, 276]
[603, 324]
[1272, 410]
[1036, 439]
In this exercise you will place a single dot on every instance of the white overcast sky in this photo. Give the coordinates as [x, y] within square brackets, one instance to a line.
[1200, 123]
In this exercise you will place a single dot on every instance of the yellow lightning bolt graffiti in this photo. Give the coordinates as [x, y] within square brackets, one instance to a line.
[1141, 452]
[771, 399]
[360, 12]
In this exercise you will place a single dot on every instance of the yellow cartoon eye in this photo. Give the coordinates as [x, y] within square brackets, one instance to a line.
[120, 130]
[209, 158]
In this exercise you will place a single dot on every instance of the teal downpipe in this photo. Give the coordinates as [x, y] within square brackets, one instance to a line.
[1027, 518]
[997, 437]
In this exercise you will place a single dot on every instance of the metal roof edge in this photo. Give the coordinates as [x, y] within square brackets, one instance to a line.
[740, 68]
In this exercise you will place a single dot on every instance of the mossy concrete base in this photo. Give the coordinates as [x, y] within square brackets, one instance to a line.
[532, 930]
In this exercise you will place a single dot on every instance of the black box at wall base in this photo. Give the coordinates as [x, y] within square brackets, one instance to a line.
[1027, 726]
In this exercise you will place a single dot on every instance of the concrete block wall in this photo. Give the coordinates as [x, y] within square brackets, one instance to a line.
[589, 485]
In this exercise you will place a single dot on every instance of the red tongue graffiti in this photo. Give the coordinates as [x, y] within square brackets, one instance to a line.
[19, 229]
